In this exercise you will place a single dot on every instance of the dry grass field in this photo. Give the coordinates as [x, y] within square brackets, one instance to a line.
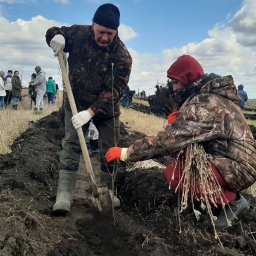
[13, 122]
[143, 102]
[138, 121]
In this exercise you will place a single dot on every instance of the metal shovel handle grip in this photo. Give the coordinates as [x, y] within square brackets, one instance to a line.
[88, 164]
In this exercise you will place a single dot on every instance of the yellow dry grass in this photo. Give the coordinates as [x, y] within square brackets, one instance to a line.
[142, 102]
[137, 121]
[15, 122]
[252, 190]
[251, 104]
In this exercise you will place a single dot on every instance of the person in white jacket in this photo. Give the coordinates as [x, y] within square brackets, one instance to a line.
[40, 88]
[8, 87]
[2, 90]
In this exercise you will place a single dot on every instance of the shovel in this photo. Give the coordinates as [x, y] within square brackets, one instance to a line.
[101, 196]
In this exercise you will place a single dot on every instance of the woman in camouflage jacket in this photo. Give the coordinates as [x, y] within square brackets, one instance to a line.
[207, 134]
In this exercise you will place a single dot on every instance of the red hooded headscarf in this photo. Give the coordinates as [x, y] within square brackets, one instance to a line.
[186, 70]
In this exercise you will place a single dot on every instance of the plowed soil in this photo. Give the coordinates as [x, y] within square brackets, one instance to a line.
[146, 224]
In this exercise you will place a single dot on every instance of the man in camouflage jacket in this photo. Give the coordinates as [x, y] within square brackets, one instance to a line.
[207, 131]
[99, 69]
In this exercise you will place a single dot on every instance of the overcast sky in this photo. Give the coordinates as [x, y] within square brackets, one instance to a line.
[221, 34]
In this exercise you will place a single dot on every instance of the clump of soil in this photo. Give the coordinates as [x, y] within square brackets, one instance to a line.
[146, 224]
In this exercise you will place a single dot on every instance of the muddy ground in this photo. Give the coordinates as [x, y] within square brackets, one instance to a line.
[146, 224]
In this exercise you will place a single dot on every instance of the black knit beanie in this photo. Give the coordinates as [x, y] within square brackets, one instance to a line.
[107, 15]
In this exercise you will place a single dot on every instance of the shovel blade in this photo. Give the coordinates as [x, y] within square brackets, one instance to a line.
[105, 199]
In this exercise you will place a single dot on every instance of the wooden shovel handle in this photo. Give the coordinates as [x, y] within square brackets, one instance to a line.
[88, 164]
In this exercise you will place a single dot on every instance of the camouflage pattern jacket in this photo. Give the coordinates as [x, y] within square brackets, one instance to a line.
[212, 118]
[98, 75]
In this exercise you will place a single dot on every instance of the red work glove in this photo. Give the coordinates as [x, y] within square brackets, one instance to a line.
[116, 153]
[172, 117]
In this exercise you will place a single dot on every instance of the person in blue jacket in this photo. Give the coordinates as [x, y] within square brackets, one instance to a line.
[243, 95]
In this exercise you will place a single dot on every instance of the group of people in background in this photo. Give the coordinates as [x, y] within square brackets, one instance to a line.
[10, 89]
[39, 87]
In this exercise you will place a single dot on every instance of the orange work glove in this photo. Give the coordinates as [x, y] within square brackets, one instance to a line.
[116, 153]
[172, 117]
